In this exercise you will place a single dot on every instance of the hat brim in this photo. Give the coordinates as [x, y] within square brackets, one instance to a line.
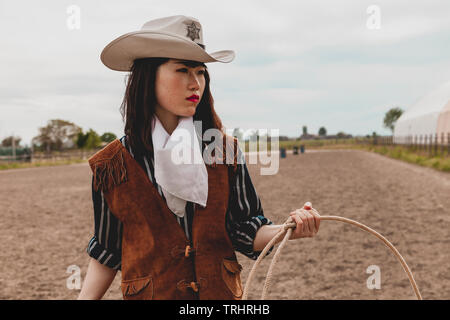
[120, 53]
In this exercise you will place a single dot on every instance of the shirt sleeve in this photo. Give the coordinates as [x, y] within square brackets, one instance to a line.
[245, 214]
[106, 244]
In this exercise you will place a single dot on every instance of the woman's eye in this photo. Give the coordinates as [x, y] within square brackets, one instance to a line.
[186, 70]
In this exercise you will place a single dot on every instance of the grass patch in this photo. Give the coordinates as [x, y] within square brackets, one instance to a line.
[22, 165]
[440, 161]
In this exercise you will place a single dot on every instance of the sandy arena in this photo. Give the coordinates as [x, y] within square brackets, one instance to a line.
[47, 221]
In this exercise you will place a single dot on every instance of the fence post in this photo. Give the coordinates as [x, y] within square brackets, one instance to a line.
[432, 140]
[435, 144]
[424, 147]
[425, 143]
[448, 143]
[430, 145]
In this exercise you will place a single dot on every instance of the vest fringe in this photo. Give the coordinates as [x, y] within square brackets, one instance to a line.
[110, 172]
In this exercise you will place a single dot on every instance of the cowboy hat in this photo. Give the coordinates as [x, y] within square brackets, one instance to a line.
[177, 37]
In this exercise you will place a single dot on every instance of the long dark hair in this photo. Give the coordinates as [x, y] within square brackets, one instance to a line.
[138, 105]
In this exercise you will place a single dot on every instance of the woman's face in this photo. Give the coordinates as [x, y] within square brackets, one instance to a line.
[175, 83]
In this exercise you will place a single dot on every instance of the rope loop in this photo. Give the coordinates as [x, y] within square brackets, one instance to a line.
[286, 231]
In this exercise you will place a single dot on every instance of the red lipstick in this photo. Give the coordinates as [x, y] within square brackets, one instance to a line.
[193, 98]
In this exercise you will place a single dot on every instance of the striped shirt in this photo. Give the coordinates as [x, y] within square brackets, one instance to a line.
[243, 218]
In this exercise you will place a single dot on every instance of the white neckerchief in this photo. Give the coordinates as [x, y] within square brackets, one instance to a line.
[180, 182]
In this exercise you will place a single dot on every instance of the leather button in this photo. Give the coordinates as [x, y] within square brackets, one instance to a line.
[183, 285]
[194, 286]
[187, 251]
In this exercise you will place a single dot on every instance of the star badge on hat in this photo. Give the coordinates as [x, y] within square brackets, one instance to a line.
[193, 31]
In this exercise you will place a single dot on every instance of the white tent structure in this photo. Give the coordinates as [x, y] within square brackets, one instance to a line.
[428, 117]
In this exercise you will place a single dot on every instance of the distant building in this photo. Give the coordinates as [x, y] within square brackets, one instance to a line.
[430, 115]
[307, 136]
[327, 137]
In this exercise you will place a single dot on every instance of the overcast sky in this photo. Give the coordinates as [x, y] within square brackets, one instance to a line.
[313, 63]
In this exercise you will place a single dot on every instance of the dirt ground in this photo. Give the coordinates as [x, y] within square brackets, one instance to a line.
[47, 221]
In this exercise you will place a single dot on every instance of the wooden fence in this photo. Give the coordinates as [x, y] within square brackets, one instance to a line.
[50, 157]
[437, 144]
[432, 144]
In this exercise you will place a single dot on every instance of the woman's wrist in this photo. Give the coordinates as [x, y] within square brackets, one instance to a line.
[264, 235]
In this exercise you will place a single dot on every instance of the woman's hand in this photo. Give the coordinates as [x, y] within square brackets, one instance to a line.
[307, 220]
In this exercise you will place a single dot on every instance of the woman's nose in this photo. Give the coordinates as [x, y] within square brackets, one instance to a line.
[194, 82]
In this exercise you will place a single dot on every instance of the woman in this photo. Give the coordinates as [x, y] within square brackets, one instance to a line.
[173, 229]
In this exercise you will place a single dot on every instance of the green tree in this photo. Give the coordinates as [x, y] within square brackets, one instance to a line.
[391, 118]
[305, 130]
[322, 131]
[89, 140]
[108, 137]
[341, 134]
[7, 142]
[81, 139]
[93, 140]
[56, 134]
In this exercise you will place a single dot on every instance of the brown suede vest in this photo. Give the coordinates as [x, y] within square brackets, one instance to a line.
[158, 261]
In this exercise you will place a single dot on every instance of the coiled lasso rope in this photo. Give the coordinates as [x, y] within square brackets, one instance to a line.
[287, 229]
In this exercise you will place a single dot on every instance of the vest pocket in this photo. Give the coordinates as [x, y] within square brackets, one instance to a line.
[138, 289]
[231, 275]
